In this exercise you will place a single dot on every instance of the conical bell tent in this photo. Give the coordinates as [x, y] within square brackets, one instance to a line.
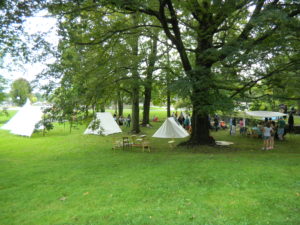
[170, 129]
[24, 121]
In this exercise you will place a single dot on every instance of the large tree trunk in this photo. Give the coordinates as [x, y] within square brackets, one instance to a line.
[201, 77]
[200, 124]
[200, 128]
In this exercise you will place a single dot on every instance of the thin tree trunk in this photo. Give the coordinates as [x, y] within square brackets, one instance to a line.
[135, 109]
[135, 83]
[120, 104]
[149, 81]
[86, 111]
[102, 107]
[94, 110]
[147, 101]
[168, 102]
[116, 106]
[168, 86]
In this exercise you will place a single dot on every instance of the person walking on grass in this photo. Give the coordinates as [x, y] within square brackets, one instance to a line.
[128, 120]
[216, 123]
[233, 126]
[267, 136]
[187, 122]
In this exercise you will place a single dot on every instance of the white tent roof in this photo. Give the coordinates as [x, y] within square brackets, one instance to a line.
[265, 114]
[170, 129]
[107, 125]
[24, 121]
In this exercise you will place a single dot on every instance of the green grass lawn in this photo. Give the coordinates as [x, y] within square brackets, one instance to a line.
[74, 179]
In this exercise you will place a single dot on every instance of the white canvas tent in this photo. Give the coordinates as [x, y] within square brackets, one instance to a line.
[105, 125]
[171, 129]
[264, 114]
[24, 121]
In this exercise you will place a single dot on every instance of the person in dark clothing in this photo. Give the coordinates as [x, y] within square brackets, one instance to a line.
[216, 123]
[181, 119]
[266, 120]
[291, 123]
[285, 109]
[233, 126]
[128, 120]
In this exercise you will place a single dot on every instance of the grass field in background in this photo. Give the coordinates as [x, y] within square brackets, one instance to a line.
[74, 179]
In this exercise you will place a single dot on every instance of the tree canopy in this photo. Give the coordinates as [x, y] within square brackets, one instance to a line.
[20, 91]
[217, 54]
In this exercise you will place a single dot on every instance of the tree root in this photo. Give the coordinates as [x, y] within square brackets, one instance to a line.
[194, 143]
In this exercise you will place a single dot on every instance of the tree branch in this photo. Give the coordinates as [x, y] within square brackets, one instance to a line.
[252, 83]
[249, 26]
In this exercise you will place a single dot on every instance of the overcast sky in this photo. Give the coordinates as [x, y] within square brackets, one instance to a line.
[38, 23]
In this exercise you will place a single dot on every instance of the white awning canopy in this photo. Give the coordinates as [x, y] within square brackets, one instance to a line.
[265, 114]
[170, 129]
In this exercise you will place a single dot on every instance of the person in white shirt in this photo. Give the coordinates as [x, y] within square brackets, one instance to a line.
[267, 136]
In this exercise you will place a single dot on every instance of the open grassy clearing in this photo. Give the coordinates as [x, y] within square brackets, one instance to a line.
[65, 178]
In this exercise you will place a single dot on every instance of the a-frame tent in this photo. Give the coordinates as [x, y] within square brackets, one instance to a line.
[170, 129]
[24, 121]
[103, 124]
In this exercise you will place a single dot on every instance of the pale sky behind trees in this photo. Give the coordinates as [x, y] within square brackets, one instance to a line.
[14, 70]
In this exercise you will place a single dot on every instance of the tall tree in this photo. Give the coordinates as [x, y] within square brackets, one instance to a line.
[220, 34]
[135, 84]
[225, 47]
[20, 91]
[153, 57]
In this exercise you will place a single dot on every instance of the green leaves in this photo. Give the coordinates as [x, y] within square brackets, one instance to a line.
[20, 91]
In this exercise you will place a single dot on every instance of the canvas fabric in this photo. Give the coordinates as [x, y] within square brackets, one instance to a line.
[170, 129]
[107, 125]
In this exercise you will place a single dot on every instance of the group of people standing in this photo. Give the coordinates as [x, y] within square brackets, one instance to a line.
[269, 130]
[183, 120]
[122, 120]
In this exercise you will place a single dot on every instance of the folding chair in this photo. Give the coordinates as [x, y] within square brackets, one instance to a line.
[146, 144]
[117, 143]
[126, 143]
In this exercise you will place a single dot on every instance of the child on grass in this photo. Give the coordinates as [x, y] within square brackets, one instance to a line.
[267, 136]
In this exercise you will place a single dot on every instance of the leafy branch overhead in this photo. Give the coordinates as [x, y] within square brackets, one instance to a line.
[214, 53]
